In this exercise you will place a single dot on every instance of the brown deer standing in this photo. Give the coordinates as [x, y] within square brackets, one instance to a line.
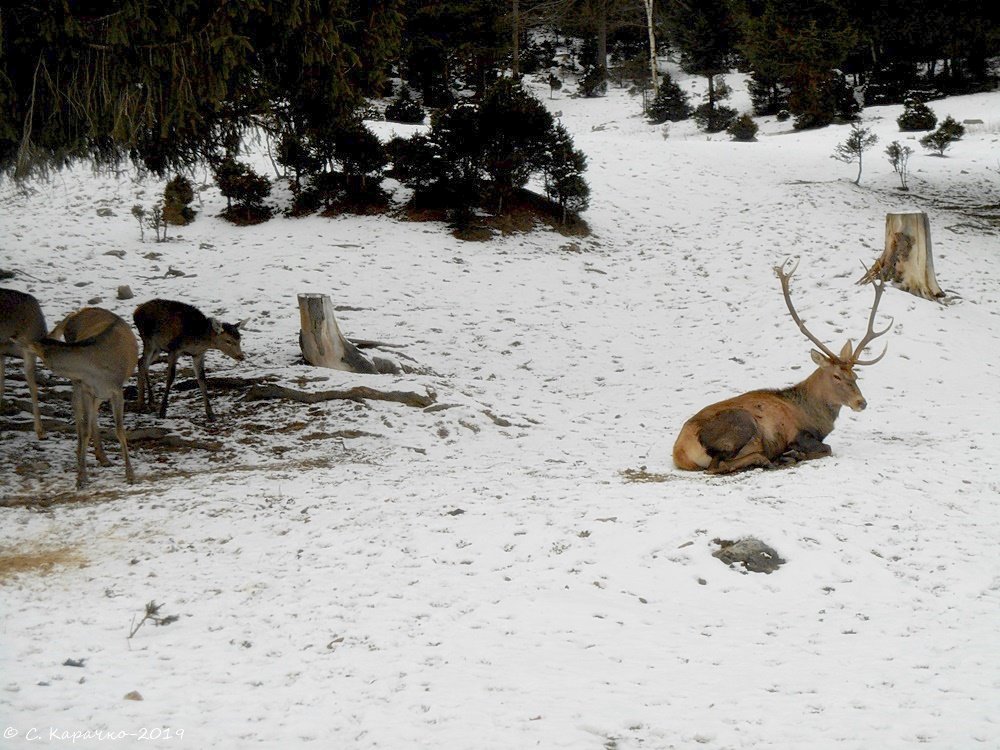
[21, 323]
[762, 427]
[100, 353]
[178, 328]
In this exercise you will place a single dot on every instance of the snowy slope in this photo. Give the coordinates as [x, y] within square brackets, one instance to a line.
[329, 592]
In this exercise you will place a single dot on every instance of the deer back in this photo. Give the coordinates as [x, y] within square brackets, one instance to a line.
[172, 326]
[21, 317]
[100, 350]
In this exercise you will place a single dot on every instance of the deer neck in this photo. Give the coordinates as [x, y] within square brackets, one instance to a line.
[73, 361]
[820, 414]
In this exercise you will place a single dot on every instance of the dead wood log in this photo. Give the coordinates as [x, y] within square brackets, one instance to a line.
[265, 392]
[160, 436]
[322, 343]
[907, 260]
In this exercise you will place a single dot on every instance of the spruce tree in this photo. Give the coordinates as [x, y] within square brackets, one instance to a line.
[563, 170]
[670, 103]
[706, 34]
[165, 84]
[799, 44]
[514, 126]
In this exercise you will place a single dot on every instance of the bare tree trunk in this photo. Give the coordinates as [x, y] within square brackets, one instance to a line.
[907, 260]
[652, 47]
[516, 38]
[321, 341]
[602, 38]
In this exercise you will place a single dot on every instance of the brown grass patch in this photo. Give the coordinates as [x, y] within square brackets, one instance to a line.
[473, 234]
[39, 562]
[641, 476]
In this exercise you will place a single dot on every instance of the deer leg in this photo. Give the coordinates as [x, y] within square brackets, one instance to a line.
[95, 437]
[82, 418]
[805, 447]
[171, 371]
[198, 362]
[118, 408]
[749, 461]
[29, 375]
[141, 379]
[144, 387]
[731, 439]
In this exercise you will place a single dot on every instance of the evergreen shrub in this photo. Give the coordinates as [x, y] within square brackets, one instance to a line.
[714, 119]
[177, 197]
[670, 103]
[244, 188]
[743, 128]
[404, 108]
[916, 116]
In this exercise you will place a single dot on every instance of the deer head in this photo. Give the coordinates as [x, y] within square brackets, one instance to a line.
[835, 377]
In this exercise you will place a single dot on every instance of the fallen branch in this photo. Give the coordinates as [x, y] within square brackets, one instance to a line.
[162, 437]
[358, 393]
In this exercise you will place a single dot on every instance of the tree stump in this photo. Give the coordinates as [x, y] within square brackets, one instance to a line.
[907, 260]
[321, 341]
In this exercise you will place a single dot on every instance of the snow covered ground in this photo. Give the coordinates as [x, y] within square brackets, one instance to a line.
[487, 573]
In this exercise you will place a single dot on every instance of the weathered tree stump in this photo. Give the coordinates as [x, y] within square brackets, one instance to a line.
[321, 341]
[907, 260]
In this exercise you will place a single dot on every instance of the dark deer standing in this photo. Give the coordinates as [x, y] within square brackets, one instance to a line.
[98, 356]
[178, 328]
[21, 324]
[762, 427]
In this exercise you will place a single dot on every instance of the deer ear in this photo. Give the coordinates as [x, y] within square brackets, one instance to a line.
[847, 352]
[819, 358]
[216, 325]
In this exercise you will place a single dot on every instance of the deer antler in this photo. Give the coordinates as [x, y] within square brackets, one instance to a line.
[785, 276]
[871, 334]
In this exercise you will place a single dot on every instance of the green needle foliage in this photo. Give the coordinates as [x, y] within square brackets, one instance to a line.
[169, 84]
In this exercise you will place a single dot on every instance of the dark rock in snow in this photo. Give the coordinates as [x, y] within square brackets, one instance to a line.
[751, 554]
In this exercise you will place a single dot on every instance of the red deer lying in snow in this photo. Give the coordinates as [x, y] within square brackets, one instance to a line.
[762, 427]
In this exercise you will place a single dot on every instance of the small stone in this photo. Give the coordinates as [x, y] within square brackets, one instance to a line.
[74, 662]
[105, 211]
[117, 253]
[94, 301]
[135, 695]
[125, 292]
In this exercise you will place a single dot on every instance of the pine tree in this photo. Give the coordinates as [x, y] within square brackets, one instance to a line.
[563, 170]
[167, 84]
[670, 103]
[916, 116]
[481, 155]
[899, 158]
[404, 108]
[361, 157]
[853, 149]
[452, 43]
[514, 126]
[706, 34]
[244, 187]
[800, 44]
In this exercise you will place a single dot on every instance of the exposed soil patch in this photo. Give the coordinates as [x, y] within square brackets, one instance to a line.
[38, 562]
